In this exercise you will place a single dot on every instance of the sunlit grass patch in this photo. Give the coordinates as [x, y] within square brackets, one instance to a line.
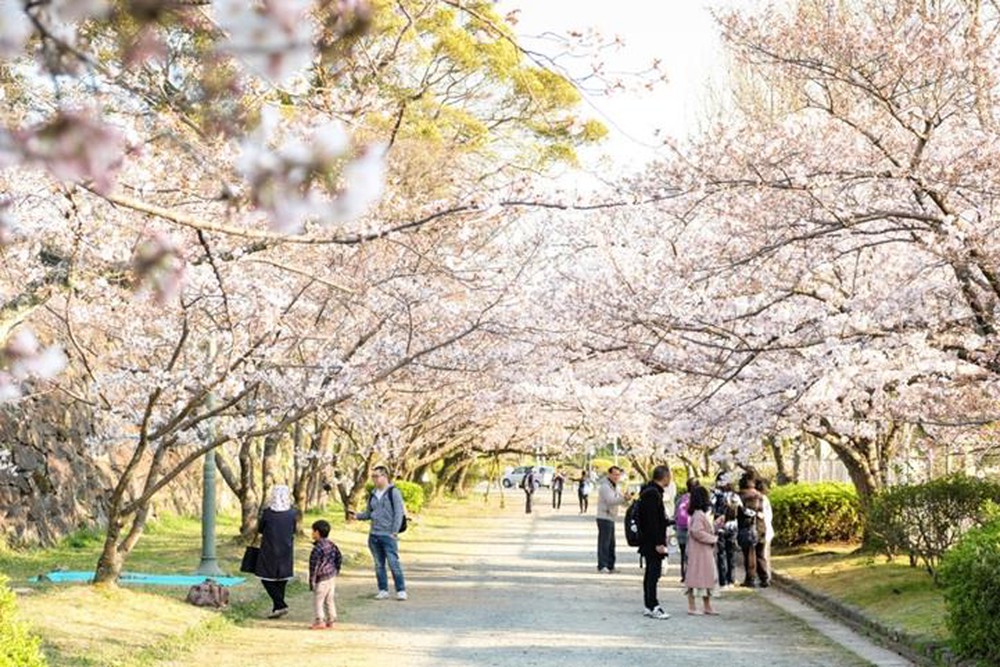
[893, 593]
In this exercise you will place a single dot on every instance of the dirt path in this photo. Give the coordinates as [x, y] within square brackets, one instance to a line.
[501, 588]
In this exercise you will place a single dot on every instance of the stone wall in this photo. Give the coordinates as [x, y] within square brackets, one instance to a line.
[50, 486]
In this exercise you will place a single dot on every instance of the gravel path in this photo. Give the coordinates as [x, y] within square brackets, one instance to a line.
[501, 588]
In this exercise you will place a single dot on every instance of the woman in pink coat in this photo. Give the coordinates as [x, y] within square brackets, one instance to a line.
[701, 577]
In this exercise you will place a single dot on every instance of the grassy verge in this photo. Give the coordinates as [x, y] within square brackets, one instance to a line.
[893, 593]
[136, 626]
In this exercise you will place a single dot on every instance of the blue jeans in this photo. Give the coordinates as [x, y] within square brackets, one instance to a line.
[386, 547]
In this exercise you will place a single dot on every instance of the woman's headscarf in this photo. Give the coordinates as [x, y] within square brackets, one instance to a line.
[281, 499]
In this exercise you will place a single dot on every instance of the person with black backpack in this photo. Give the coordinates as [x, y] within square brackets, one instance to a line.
[652, 521]
[388, 515]
[726, 504]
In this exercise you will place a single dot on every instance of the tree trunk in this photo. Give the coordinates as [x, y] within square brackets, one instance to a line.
[249, 500]
[463, 474]
[780, 462]
[269, 464]
[109, 565]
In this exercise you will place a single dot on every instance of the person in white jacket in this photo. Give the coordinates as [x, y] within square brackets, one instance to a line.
[763, 487]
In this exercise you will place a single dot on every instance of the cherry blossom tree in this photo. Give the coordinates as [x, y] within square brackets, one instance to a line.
[826, 261]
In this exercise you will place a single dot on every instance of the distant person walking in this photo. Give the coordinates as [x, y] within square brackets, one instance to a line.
[529, 483]
[609, 499]
[702, 578]
[653, 523]
[385, 511]
[558, 481]
[583, 488]
[274, 563]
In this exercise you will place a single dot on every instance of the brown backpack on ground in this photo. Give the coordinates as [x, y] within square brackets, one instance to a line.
[208, 593]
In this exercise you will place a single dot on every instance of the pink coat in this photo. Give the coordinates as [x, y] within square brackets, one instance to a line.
[701, 553]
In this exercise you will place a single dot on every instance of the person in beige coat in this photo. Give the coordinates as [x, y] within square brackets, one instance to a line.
[701, 577]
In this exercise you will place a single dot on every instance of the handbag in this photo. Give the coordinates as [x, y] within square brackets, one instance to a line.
[249, 562]
[208, 593]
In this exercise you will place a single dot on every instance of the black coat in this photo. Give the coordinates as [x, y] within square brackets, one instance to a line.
[652, 520]
[277, 531]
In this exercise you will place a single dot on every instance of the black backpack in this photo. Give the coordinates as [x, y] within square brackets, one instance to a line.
[392, 500]
[633, 531]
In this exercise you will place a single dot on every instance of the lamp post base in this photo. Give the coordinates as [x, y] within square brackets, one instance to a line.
[210, 568]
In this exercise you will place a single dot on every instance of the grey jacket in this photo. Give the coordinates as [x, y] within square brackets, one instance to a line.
[609, 499]
[386, 514]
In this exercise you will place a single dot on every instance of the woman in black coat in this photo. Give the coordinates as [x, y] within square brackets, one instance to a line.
[274, 564]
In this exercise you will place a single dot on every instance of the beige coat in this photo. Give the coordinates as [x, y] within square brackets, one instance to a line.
[701, 571]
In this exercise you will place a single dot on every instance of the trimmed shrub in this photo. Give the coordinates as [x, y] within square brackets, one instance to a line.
[972, 593]
[923, 521]
[17, 646]
[806, 513]
[413, 494]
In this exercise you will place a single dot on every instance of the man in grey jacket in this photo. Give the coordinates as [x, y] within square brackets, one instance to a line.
[609, 499]
[385, 511]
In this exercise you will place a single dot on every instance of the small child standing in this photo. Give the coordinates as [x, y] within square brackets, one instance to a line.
[324, 566]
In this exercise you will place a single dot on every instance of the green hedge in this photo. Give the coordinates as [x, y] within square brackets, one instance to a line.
[806, 513]
[413, 495]
[924, 521]
[18, 648]
[968, 573]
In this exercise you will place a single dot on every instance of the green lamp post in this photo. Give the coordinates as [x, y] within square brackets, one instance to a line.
[209, 565]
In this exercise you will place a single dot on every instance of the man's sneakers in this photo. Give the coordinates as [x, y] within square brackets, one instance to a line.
[384, 595]
[604, 570]
[656, 613]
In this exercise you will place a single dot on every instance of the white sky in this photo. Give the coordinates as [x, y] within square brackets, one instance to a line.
[681, 33]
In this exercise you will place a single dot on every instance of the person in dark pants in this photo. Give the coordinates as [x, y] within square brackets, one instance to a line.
[558, 481]
[653, 523]
[583, 491]
[609, 499]
[274, 564]
[726, 504]
[528, 483]
[750, 533]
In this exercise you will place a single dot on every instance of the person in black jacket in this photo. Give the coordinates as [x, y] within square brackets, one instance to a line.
[274, 564]
[653, 523]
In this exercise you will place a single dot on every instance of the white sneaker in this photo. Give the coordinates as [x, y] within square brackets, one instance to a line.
[604, 570]
[382, 595]
[400, 595]
[658, 613]
[647, 612]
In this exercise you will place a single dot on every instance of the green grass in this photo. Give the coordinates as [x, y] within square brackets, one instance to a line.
[85, 626]
[893, 593]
